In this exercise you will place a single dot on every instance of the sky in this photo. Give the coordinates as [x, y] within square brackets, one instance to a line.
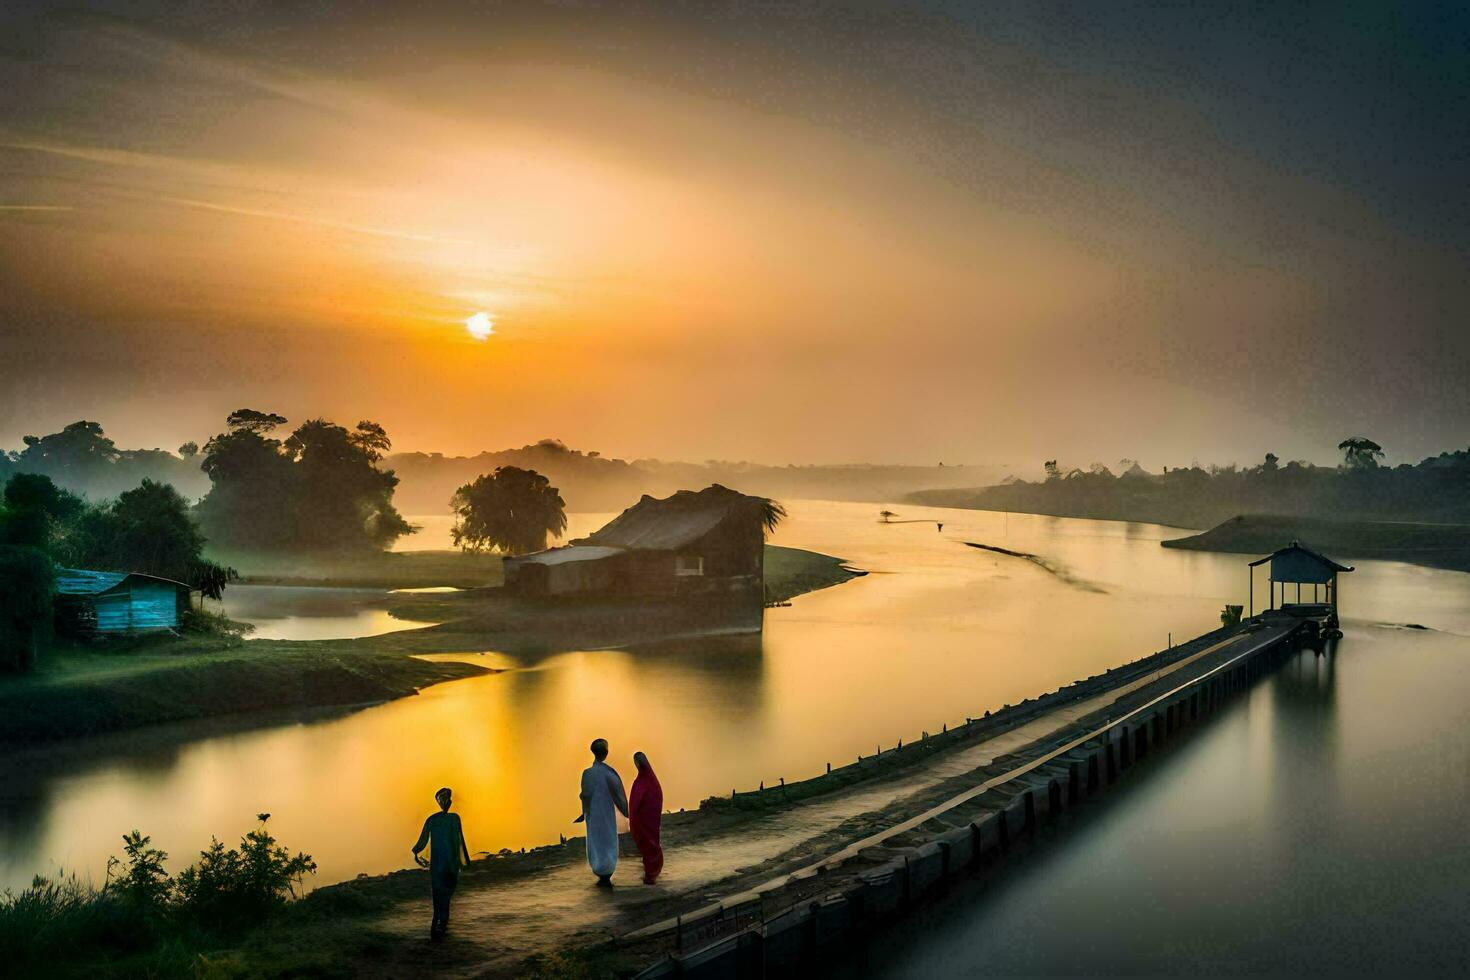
[928, 232]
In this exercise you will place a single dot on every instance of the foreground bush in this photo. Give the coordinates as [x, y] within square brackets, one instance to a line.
[142, 922]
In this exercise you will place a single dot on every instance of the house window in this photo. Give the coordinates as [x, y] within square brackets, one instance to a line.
[688, 565]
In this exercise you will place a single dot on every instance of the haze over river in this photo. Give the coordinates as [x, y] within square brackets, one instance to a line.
[939, 631]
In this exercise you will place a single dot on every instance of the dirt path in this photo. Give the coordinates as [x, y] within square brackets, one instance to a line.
[498, 922]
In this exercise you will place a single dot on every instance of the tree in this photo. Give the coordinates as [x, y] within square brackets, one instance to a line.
[1360, 452]
[251, 489]
[771, 514]
[81, 458]
[78, 454]
[511, 509]
[26, 577]
[249, 420]
[1272, 463]
[147, 529]
[36, 513]
[1053, 471]
[320, 488]
[341, 498]
[189, 449]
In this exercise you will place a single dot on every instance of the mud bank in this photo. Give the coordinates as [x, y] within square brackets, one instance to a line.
[1432, 545]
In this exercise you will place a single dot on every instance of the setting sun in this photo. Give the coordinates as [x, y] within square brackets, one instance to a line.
[480, 326]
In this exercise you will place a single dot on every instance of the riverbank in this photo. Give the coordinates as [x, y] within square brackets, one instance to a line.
[1433, 545]
[535, 914]
[80, 691]
[371, 570]
[1144, 508]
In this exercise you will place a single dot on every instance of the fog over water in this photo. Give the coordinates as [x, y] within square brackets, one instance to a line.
[938, 631]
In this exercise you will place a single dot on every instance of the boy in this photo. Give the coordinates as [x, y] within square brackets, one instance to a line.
[447, 854]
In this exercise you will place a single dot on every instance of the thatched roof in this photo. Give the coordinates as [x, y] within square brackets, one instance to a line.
[673, 522]
[564, 555]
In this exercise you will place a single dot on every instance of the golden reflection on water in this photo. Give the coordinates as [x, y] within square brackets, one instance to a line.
[937, 632]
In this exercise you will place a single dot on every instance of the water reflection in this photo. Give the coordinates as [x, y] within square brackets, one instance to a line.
[290, 612]
[1316, 826]
[939, 632]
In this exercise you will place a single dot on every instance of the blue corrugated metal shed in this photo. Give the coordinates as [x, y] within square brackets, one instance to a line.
[84, 581]
[125, 602]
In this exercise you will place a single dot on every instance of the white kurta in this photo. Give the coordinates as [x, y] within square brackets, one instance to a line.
[602, 788]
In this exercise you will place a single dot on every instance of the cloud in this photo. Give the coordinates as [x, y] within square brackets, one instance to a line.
[318, 222]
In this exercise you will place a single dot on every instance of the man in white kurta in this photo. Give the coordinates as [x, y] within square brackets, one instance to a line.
[602, 800]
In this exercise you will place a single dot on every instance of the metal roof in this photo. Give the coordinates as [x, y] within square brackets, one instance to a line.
[565, 555]
[671, 523]
[85, 581]
[1298, 547]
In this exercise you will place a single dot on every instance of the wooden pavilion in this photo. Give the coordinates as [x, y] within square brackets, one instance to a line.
[1298, 565]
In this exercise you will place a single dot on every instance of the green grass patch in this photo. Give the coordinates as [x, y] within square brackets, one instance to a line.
[80, 691]
[792, 571]
[379, 569]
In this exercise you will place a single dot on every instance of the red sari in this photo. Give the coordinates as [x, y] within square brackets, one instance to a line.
[645, 808]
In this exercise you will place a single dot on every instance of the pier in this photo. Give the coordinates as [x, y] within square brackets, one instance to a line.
[1108, 728]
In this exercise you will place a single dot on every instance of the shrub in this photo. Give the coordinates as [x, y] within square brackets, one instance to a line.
[229, 888]
[144, 882]
[144, 917]
[207, 623]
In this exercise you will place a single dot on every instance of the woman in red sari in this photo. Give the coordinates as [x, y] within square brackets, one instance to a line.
[645, 809]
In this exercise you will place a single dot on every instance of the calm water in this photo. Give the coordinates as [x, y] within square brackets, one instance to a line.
[939, 631]
[1317, 826]
[288, 612]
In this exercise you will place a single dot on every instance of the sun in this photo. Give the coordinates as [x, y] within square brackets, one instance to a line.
[480, 325]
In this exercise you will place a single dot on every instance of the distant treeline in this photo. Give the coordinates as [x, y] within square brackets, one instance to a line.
[1361, 488]
[82, 459]
[589, 481]
[319, 488]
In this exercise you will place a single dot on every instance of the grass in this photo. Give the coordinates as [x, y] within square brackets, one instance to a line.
[790, 572]
[383, 570]
[78, 691]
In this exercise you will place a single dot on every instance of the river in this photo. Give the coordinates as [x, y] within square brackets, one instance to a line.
[1316, 826]
[937, 632]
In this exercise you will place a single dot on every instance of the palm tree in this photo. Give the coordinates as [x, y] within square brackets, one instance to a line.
[1360, 452]
[771, 513]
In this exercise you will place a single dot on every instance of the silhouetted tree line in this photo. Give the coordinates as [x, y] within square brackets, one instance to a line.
[82, 459]
[319, 488]
[1361, 488]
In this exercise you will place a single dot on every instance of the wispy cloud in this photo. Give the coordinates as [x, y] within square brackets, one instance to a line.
[319, 222]
[36, 207]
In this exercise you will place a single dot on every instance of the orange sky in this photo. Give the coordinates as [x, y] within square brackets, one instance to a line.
[680, 260]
